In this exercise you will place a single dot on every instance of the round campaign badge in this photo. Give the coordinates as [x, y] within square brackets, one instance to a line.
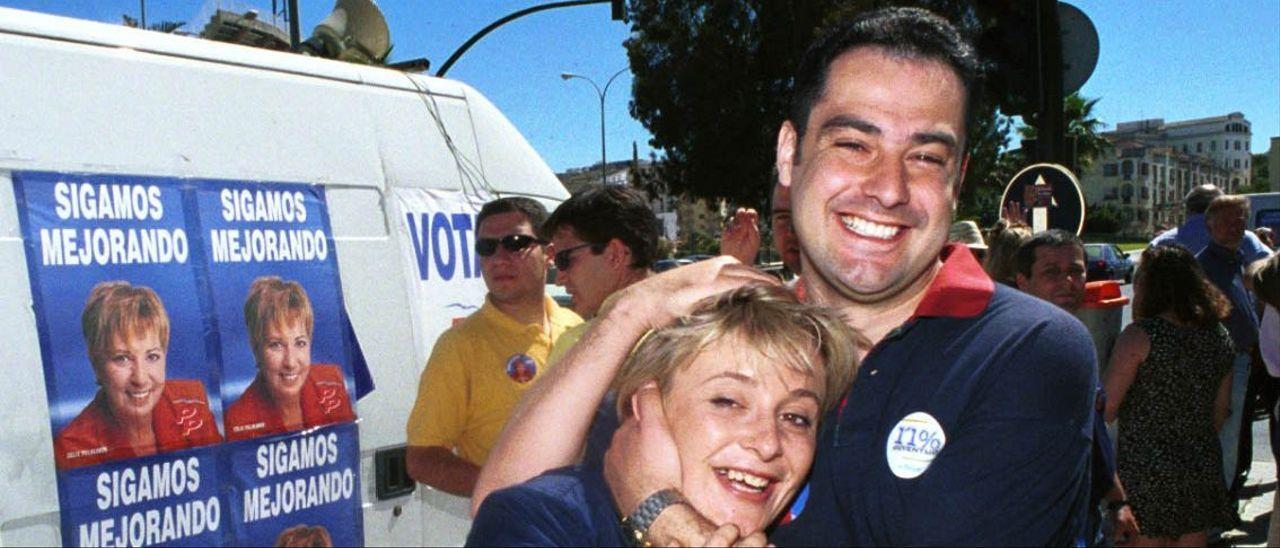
[913, 444]
[521, 368]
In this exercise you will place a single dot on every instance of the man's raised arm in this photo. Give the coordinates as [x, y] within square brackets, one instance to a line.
[549, 426]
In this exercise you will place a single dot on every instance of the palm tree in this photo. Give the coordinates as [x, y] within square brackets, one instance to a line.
[166, 27]
[1082, 130]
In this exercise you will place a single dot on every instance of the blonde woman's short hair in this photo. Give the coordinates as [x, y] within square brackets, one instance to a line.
[118, 309]
[810, 340]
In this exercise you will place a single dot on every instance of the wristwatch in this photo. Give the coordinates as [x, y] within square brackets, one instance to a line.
[635, 527]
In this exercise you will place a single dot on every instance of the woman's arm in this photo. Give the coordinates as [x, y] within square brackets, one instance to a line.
[1130, 350]
[1222, 403]
[549, 425]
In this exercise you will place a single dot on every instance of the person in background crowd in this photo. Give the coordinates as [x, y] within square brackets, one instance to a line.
[1169, 381]
[741, 385]
[1051, 266]
[289, 392]
[741, 240]
[1266, 283]
[1002, 256]
[967, 233]
[604, 239]
[874, 152]
[1266, 236]
[1194, 233]
[480, 367]
[136, 410]
[1225, 263]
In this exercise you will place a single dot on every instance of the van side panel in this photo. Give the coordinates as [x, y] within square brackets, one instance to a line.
[91, 98]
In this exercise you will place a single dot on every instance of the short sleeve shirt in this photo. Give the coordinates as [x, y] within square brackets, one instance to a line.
[1194, 236]
[970, 424]
[1225, 268]
[477, 373]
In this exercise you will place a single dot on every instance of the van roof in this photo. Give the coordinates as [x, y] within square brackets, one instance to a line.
[67, 29]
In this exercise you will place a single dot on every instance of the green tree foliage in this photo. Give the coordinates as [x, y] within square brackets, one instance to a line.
[1082, 130]
[1260, 180]
[712, 81]
[1104, 219]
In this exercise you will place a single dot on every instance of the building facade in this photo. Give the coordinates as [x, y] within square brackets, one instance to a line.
[1152, 165]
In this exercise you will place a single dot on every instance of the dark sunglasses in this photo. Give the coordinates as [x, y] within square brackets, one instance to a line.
[514, 243]
[564, 258]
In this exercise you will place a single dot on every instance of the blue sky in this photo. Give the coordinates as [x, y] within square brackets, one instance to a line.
[1159, 59]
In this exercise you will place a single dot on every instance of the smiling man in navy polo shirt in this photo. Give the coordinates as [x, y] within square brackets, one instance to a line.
[971, 416]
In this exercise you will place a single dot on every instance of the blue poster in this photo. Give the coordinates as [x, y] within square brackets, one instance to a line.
[273, 276]
[296, 487]
[169, 499]
[185, 326]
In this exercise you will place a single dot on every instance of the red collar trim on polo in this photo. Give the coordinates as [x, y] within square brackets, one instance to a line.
[961, 289]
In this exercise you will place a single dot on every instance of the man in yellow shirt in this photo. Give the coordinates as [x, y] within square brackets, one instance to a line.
[479, 368]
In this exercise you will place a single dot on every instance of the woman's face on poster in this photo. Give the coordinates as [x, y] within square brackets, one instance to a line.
[286, 358]
[132, 374]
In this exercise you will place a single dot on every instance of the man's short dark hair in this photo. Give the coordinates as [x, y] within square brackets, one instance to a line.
[1198, 200]
[1054, 237]
[532, 210]
[600, 214]
[911, 33]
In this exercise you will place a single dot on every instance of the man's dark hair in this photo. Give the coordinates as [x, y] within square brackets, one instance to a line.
[1198, 200]
[1054, 237]
[911, 33]
[532, 210]
[600, 214]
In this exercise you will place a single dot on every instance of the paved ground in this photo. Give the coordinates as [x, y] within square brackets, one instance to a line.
[1258, 495]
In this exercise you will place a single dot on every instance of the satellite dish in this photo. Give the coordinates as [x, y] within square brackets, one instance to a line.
[355, 32]
[1079, 47]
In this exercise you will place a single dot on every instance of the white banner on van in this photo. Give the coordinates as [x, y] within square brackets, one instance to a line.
[438, 254]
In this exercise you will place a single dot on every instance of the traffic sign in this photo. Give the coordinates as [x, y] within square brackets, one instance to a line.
[1049, 195]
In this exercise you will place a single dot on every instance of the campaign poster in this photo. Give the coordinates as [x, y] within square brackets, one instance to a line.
[130, 373]
[438, 231]
[297, 489]
[286, 360]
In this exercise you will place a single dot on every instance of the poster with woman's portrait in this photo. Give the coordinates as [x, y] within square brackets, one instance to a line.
[197, 360]
[132, 384]
[286, 363]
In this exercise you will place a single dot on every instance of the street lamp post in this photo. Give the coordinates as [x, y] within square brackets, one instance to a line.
[601, 93]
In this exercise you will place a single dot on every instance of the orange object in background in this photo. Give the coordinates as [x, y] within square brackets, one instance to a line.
[1104, 294]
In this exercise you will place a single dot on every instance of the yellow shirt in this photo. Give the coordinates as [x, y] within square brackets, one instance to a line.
[567, 340]
[477, 372]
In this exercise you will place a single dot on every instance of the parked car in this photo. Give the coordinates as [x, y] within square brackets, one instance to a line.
[1107, 262]
[663, 265]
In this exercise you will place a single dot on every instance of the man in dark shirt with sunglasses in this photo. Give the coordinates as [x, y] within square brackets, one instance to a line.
[481, 366]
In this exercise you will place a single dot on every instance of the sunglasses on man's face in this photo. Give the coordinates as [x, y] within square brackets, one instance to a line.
[514, 243]
[564, 258]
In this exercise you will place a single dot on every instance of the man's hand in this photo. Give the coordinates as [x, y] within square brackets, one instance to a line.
[1012, 213]
[741, 239]
[658, 300]
[642, 459]
[1126, 529]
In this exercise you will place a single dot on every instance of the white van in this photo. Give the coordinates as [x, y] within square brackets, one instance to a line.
[401, 159]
